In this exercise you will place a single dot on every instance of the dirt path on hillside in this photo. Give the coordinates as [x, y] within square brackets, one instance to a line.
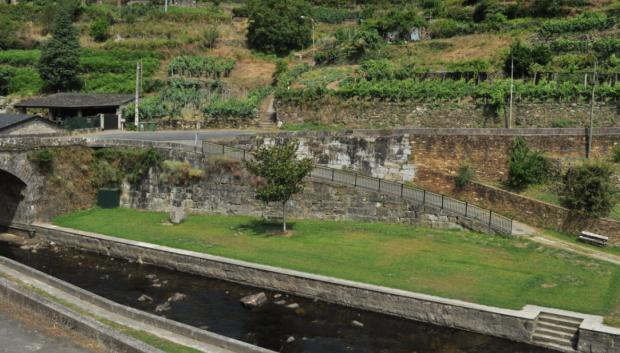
[535, 234]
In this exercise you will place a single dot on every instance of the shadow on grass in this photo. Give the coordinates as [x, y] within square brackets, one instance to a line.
[266, 228]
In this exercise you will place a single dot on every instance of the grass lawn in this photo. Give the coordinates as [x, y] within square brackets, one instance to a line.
[455, 264]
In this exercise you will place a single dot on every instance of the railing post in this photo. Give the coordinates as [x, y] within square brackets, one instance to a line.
[424, 197]
[442, 201]
[223, 150]
[243, 155]
[466, 205]
[379, 185]
[402, 187]
[490, 218]
[355, 181]
[333, 174]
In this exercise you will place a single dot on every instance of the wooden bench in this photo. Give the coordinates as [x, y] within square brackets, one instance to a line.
[593, 238]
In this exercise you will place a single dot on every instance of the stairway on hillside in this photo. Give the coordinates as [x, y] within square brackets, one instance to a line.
[556, 331]
[267, 114]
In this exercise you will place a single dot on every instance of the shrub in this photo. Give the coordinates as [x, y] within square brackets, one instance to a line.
[209, 37]
[525, 167]
[198, 66]
[561, 123]
[589, 190]
[463, 175]
[100, 30]
[8, 33]
[241, 11]
[6, 74]
[524, 57]
[277, 26]
[42, 158]
[180, 173]
[616, 153]
[446, 28]
[582, 23]
[546, 8]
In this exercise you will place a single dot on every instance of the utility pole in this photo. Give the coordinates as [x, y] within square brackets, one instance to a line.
[313, 33]
[512, 77]
[594, 81]
[137, 108]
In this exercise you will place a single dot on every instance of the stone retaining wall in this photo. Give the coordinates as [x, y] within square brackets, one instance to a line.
[381, 114]
[521, 208]
[516, 325]
[396, 154]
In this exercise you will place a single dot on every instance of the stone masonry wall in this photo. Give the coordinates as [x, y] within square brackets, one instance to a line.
[227, 190]
[466, 114]
[396, 154]
[521, 208]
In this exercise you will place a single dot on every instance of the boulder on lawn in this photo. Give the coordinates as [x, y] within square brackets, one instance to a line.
[254, 300]
[177, 215]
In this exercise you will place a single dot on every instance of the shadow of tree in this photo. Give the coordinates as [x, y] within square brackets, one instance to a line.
[266, 228]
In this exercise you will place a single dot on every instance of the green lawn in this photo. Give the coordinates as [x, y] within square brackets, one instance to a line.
[455, 264]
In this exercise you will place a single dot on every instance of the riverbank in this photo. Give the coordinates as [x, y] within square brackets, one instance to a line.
[473, 267]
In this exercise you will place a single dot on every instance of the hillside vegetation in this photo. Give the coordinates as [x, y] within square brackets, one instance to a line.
[206, 64]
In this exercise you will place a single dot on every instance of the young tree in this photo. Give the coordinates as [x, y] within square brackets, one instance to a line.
[60, 56]
[279, 26]
[589, 190]
[281, 172]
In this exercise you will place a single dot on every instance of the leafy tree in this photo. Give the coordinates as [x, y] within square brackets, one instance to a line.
[8, 33]
[281, 173]
[589, 190]
[524, 57]
[463, 175]
[60, 56]
[279, 26]
[100, 29]
[525, 166]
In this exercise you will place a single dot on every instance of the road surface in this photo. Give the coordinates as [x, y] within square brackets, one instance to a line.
[187, 137]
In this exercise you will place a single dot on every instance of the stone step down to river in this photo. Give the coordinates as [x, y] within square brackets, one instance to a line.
[557, 331]
[11, 269]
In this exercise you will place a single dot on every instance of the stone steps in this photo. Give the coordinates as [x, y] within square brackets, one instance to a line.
[556, 331]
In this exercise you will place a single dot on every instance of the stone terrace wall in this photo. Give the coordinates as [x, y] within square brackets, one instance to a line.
[396, 154]
[521, 208]
[380, 114]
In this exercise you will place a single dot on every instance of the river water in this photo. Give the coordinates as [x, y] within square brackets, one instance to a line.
[312, 327]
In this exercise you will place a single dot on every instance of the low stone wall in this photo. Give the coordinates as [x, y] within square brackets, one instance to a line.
[381, 114]
[510, 324]
[521, 208]
[60, 315]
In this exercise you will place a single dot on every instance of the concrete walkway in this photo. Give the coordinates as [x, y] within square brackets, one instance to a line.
[21, 337]
[105, 314]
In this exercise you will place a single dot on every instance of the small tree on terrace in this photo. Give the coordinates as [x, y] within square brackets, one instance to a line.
[589, 189]
[280, 172]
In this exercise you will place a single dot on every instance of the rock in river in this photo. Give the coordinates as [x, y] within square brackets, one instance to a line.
[254, 300]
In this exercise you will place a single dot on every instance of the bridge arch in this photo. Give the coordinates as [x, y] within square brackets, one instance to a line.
[12, 196]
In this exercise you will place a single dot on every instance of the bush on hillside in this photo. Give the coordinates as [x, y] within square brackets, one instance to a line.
[463, 175]
[209, 37]
[589, 190]
[279, 26]
[525, 167]
[524, 57]
[100, 30]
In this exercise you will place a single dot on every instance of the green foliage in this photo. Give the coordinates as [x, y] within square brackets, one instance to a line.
[20, 57]
[562, 123]
[198, 66]
[582, 23]
[236, 108]
[281, 173]
[350, 46]
[60, 56]
[524, 57]
[399, 21]
[42, 158]
[615, 151]
[180, 173]
[546, 8]
[100, 30]
[132, 164]
[241, 11]
[463, 175]
[525, 167]
[446, 28]
[589, 190]
[6, 74]
[277, 26]
[8, 33]
[209, 37]
[333, 14]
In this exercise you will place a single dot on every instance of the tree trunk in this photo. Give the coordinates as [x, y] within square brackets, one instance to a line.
[284, 216]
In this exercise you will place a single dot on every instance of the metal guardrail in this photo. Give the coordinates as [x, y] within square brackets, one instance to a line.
[494, 221]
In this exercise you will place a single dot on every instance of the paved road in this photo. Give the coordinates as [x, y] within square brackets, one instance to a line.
[175, 136]
[16, 337]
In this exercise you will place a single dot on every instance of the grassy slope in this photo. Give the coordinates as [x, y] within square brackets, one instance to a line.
[463, 265]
